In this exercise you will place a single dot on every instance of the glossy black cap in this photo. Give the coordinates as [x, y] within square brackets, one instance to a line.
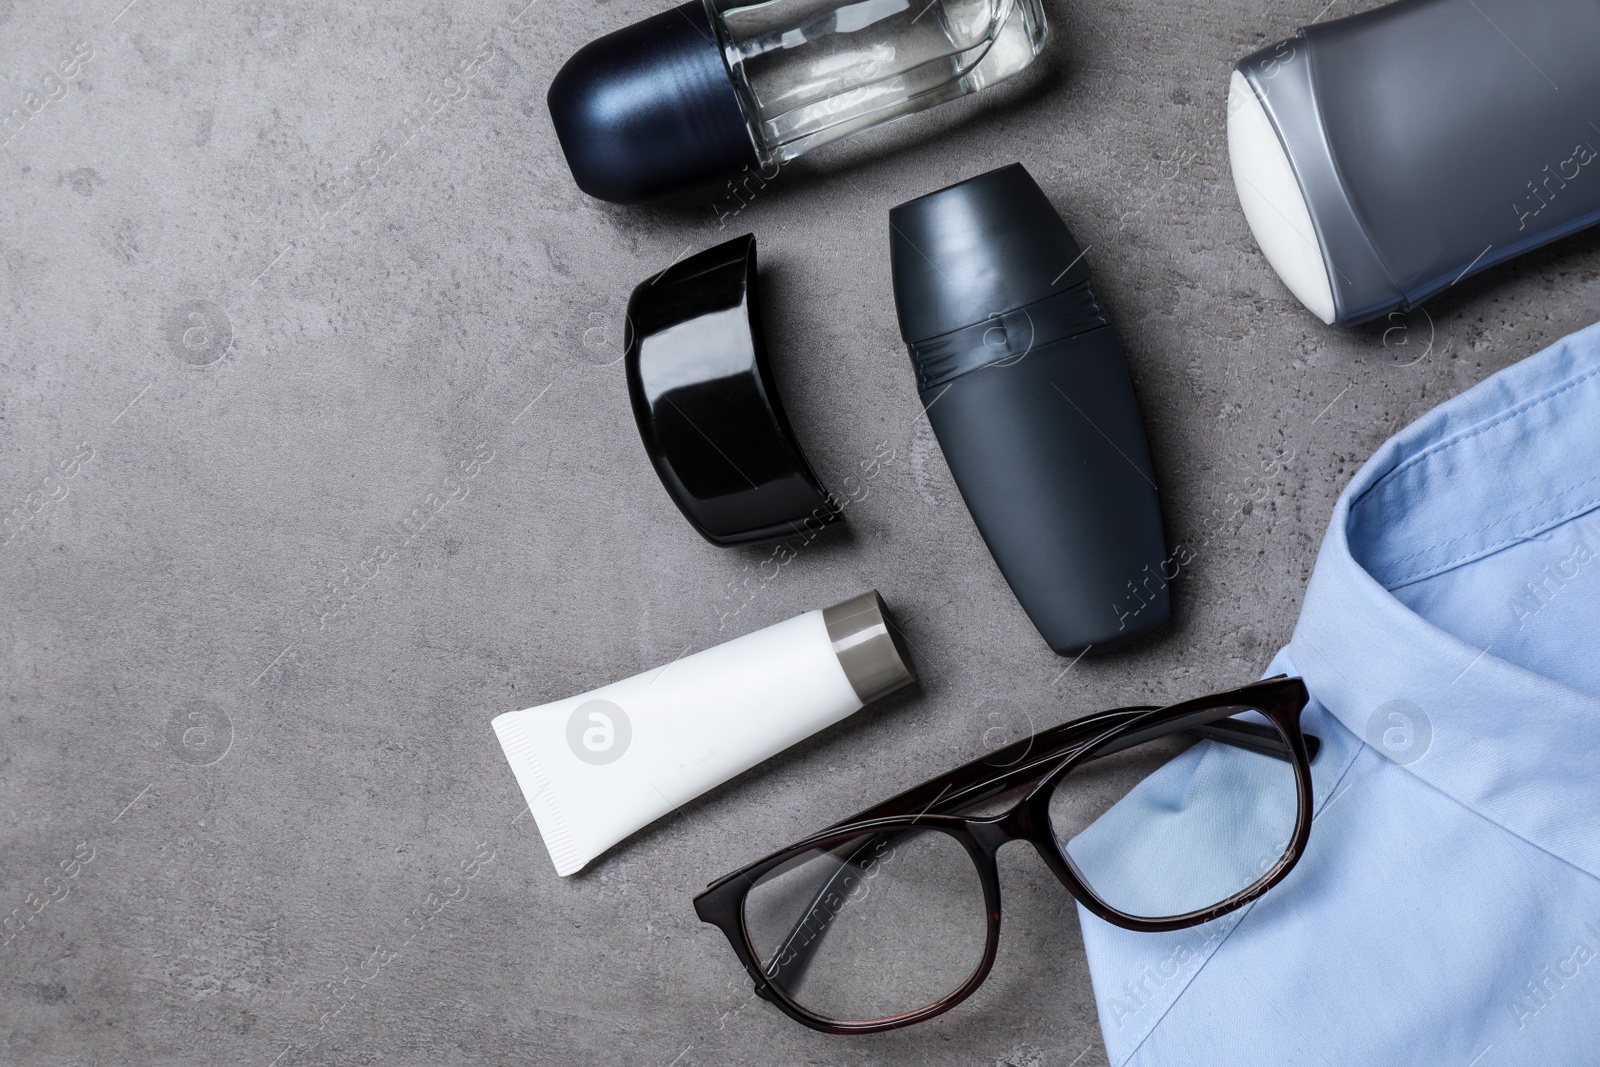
[976, 250]
[707, 408]
[650, 110]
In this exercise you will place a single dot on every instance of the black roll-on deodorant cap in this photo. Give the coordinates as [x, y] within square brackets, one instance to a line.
[650, 110]
[1025, 387]
[977, 248]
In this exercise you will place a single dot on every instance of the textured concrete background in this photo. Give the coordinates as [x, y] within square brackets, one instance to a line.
[250, 319]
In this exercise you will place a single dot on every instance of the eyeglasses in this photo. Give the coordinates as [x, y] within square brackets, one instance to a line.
[893, 916]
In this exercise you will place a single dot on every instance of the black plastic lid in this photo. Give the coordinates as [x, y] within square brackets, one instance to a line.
[650, 110]
[977, 250]
[707, 408]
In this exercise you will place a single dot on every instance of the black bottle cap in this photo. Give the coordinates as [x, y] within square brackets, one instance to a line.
[975, 250]
[650, 110]
[706, 405]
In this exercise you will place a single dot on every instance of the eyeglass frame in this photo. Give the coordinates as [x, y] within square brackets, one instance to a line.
[1061, 749]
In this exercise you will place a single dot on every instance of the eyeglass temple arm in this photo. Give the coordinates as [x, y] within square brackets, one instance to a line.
[794, 955]
[975, 782]
[1255, 736]
[998, 771]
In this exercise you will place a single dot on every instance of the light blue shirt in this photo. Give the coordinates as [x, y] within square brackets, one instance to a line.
[1447, 910]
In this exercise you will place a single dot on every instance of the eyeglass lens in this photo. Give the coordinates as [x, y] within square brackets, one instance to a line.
[1209, 823]
[871, 927]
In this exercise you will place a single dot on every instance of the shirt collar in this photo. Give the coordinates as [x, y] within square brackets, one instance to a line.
[1505, 462]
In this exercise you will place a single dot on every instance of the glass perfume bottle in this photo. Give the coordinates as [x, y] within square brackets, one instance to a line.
[705, 90]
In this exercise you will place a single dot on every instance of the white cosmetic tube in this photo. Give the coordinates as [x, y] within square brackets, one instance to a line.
[594, 768]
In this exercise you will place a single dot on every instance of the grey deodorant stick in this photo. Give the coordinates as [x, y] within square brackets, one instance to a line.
[1025, 387]
[1382, 158]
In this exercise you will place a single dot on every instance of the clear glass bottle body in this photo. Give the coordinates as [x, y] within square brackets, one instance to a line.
[809, 72]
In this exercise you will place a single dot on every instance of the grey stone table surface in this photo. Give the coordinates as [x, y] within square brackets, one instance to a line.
[274, 270]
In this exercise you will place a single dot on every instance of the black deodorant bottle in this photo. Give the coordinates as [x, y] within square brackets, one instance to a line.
[1026, 390]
